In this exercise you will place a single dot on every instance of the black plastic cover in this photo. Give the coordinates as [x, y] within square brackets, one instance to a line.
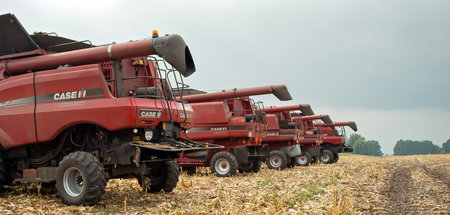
[174, 50]
[13, 37]
[326, 119]
[306, 110]
[58, 44]
[282, 93]
[352, 125]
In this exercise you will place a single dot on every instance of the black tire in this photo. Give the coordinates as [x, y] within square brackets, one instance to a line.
[5, 179]
[80, 168]
[303, 160]
[189, 170]
[277, 160]
[251, 166]
[291, 163]
[164, 178]
[327, 157]
[223, 164]
[48, 188]
[336, 158]
[314, 160]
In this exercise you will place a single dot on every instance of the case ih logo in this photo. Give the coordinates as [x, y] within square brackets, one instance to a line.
[70, 95]
[218, 128]
[272, 134]
[150, 113]
[182, 115]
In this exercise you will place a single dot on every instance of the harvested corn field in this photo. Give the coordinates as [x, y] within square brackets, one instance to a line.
[354, 185]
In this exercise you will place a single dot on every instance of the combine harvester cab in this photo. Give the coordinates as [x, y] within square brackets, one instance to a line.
[76, 115]
[233, 120]
[283, 136]
[322, 141]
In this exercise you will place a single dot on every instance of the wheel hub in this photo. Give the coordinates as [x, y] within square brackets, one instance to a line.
[222, 166]
[73, 181]
[302, 159]
[275, 161]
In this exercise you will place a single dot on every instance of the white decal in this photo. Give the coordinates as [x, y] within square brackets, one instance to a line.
[150, 113]
[187, 114]
[70, 95]
[71, 104]
[218, 128]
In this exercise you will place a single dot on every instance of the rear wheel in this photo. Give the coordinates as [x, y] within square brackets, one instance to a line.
[80, 179]
[314, 160]
[251, 166]
[336, 158]
[163, 178]
[277, 160]
[304, 159]
[189, 170]
[223, 164]
[291, 162]
[4, 177]
[327, 157]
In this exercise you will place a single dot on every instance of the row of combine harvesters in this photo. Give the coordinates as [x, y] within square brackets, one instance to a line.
[74, 115]
[281, 136]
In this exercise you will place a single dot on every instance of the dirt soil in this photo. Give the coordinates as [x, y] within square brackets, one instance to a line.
[417, 185]
[354, 185]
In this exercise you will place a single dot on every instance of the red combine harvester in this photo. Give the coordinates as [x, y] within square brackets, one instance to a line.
[322, 141]
[233, 120]
[282, 135]
[334, 139]
[76, 115]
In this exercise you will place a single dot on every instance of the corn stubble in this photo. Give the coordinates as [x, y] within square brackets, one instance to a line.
[354, 185]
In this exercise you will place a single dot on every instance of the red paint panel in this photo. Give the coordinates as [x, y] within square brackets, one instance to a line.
[53, 116]
[211, 112]
[17, 111]
[272, 122]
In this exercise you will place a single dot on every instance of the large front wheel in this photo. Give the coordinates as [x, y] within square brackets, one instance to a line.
[80, 179]
[223, 164]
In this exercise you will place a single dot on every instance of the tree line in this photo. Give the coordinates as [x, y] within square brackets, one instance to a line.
[414, 147]
[402, 147]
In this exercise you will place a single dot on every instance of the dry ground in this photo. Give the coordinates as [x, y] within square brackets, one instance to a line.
[355, 185]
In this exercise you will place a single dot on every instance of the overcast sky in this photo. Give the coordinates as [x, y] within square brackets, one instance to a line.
[382, 63]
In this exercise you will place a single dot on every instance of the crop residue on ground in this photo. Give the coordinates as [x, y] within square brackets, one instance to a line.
[356, 184]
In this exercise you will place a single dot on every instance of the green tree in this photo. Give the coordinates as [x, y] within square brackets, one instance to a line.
[353, 138]
[446, 146]
[363, 147]
[374, 148]
[414, 147]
